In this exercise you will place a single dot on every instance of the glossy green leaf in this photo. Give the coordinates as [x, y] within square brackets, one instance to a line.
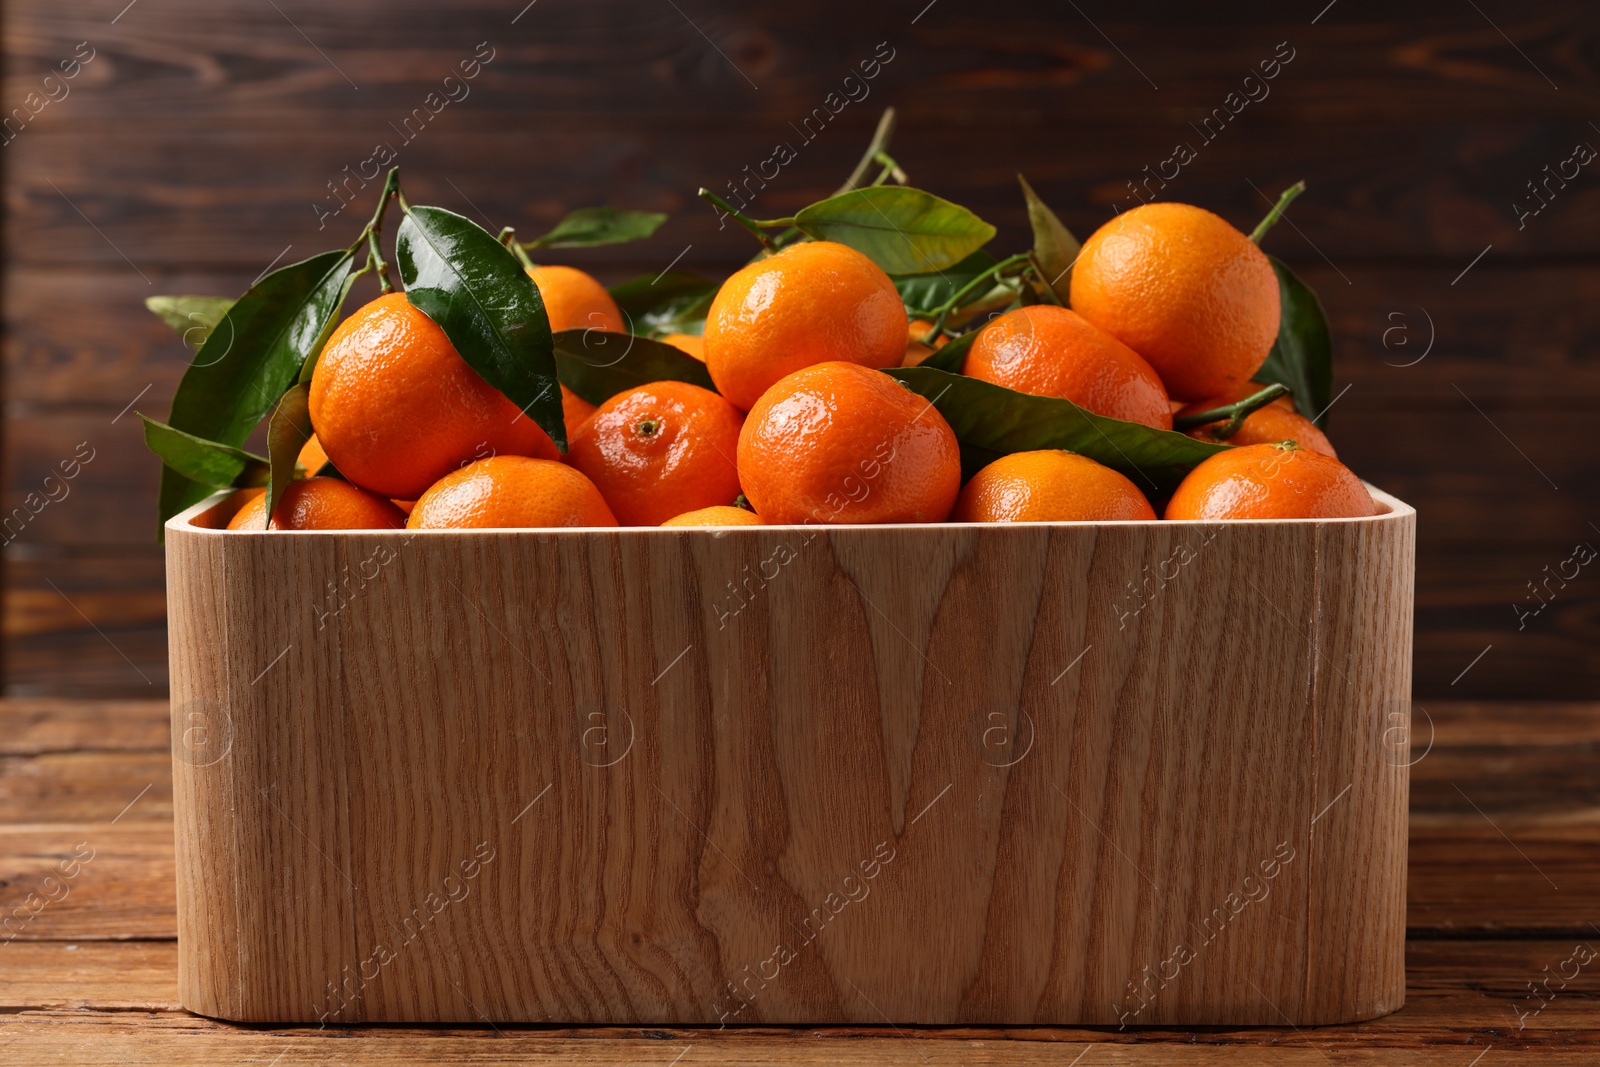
[252, 356]
[597, 364]
[924, 294]
[673, 302]
[1054, 246]
[194, 317]
[309, 367]
[462, 278]
[203, 462]
[903, 230]
[991, 421]
[287, 432]
[590, 226]
[952, 355]
[1302, 356]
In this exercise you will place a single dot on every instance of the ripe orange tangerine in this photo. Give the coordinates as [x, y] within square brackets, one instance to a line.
[720, 515]
[813, 302]
[686, 342]
[660, 450]
[320, 504]
[1280, 481]
[1053, 351]
[841, 443]
[1184, 289]
[575, 300]
[574, 410]
[511, 492]
[917, 350]
[311, 456]
[1050, 486]
[396, 408]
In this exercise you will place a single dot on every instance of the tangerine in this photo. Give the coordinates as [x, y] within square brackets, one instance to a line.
[687, 342]
[1184, 289]
[511, 492]
[574, 409]
[1278, 481]
[813, 302]
[1053, 351]
[838, 442]
[1050, 486]
[720, 515]
[311, 456]
[917, 348]
[575, 300]
[396, 407]
[660, 450]
[320, 504]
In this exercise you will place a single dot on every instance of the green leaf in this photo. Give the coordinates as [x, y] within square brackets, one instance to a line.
[207, 463]
[1302, 356]
[674, 302]
[194, 317]
[590, 226]
[309, 367]
[903, 230]
[251, 358]
[598, 364]
[462, 278]
[924, 294]
[1054, 247]
[953, 355]
[287, 433]
[991, 421]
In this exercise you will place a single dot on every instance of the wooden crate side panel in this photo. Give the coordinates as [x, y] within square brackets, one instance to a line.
[990, 775]
[1361, 630]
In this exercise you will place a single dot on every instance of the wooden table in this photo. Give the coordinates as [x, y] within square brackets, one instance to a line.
[1504, 889]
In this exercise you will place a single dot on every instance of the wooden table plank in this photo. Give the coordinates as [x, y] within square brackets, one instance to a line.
[183, 1040]
[87, 881]
[1456, 989]
[1468, 994]
[86, 786]
[34, 727]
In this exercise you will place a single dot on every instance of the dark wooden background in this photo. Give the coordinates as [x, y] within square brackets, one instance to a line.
[190, 151]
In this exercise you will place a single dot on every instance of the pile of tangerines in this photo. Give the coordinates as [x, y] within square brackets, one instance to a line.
[1172, 311]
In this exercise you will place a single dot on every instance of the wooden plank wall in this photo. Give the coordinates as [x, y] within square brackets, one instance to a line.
[192, 149]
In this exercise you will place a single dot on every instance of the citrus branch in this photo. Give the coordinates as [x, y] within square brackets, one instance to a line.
[1235, 413]
[966, 290]
[1284, 200]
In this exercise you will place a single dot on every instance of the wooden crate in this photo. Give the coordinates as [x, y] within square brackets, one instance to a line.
[1128, 773]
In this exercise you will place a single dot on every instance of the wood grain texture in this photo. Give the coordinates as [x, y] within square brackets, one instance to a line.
[1527, 766]
[771, 777]
[112, 1000]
